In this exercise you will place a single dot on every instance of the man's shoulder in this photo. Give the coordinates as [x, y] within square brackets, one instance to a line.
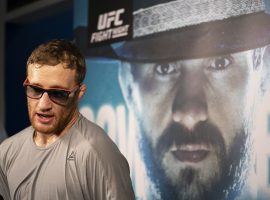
[17, 139]
[12, 146]
[91, 132]
[99, 158]
[94, 140]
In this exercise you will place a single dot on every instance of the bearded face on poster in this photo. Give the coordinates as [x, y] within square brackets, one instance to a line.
[194, 76]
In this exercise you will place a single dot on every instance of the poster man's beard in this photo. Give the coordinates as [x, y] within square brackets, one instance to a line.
[232, 164]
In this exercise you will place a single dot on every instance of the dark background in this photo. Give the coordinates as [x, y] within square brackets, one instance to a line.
[21, 37]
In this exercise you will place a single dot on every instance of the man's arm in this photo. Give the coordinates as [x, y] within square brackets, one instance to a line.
[104, 170]
[109, 177]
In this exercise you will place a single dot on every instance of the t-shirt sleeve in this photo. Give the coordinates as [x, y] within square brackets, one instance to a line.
[105, 169]
[109, 177]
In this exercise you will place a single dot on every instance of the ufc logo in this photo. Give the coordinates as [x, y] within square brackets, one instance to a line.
[105, 20]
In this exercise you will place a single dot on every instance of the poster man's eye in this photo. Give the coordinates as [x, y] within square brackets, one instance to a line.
[165, 68]
[220, 63]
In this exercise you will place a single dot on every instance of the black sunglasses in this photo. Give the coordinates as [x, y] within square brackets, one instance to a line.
[58, 96]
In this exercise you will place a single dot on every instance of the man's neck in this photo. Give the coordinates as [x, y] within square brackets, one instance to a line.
[45, 139]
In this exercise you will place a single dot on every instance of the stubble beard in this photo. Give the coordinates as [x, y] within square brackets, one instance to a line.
[225, 184]
[59, 124]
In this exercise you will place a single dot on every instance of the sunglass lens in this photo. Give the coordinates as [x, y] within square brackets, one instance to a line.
[34, 92]
[59, 96]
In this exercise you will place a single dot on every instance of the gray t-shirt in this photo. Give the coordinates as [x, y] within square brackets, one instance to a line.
[82, 164]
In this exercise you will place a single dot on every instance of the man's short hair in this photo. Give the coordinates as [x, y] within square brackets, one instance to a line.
[58, 51]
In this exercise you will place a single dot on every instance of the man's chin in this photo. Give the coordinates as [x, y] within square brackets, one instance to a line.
[189, 185]
[192, 184]
[211, 179]
[192, 179]
[44, 128]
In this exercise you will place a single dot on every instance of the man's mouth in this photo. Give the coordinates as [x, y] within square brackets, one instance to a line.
[44, 118]
[191, 152]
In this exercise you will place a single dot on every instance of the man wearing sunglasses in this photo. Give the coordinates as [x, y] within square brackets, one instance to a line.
[61, 155]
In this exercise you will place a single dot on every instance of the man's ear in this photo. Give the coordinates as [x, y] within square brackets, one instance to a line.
[125, 79]
[82, 91]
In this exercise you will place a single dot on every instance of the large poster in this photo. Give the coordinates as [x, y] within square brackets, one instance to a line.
[185, 96]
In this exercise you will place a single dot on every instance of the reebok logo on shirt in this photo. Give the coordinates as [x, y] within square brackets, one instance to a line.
[72, 155]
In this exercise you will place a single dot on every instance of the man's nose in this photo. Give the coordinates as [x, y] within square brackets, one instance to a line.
[190, 105]
[45, 102]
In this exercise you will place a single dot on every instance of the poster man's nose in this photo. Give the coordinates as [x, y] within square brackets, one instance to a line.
[190, 114]
[190, 105]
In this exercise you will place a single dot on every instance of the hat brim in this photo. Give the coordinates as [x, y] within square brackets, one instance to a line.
[205, 40]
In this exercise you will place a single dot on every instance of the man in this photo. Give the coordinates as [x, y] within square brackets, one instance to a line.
[61, 155]
[194, 80]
